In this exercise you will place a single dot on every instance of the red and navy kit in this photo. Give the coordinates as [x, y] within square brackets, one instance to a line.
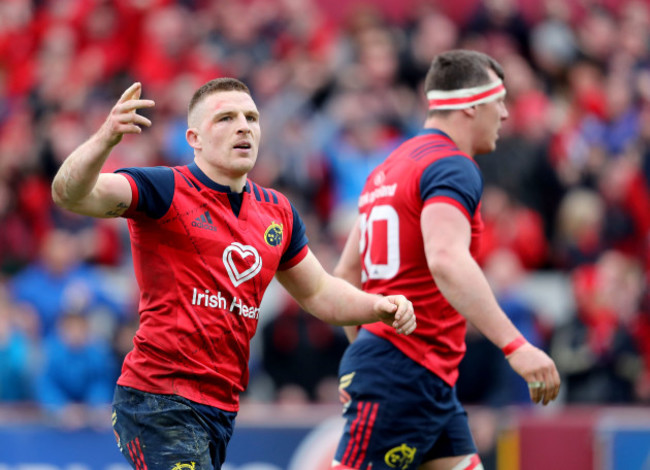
[203, 257]
[398, 414]
[400, 402]
[425, 169]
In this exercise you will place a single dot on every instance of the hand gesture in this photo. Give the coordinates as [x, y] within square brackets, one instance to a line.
[538, 370]
[396, 311]
[123, 118]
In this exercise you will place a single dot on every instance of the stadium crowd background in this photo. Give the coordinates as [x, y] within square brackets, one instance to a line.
[338, 85]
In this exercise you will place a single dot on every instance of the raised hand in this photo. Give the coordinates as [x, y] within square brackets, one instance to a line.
[123, 118]
[397, 311]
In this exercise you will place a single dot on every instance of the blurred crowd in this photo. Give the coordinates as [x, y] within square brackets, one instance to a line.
[566, 191]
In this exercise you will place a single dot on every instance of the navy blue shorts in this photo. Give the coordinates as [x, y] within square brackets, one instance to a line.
[165, 432]
[398, 414]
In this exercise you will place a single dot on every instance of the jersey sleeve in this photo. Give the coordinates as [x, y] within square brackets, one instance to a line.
[297, 248]
[153, 190]
[456, 180]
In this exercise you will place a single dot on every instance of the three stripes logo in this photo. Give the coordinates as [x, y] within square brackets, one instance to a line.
[135, 452]
[360, 433]
[204, 221]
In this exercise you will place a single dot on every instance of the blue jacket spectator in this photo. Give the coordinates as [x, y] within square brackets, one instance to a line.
[60, 281]
[78, 370]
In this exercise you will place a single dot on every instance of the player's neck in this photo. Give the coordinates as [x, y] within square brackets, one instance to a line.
[236, 183]
[458, 132]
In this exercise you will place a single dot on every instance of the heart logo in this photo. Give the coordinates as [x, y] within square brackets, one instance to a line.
[243, 252]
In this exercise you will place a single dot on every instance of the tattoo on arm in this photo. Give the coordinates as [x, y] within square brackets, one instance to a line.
[119, 210]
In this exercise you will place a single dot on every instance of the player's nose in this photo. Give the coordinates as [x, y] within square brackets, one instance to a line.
[243, 125]
[504, 112]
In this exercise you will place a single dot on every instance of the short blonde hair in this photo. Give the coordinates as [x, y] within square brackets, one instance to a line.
[216, 85]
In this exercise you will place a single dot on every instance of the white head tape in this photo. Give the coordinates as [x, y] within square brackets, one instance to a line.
[465, 97]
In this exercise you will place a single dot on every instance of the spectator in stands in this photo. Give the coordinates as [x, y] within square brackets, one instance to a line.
[59, 280]
[17, 353]
[595, 350]
[75, 385]
[498, 20]
[301, 350]
[509, 225]
[362, 143]
[579, 236]
[17, 243]
[626, 194]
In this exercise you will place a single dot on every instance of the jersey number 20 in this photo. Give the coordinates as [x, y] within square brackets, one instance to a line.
[379, 243]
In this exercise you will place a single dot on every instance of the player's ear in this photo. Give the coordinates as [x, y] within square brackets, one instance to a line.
[471, 112]
[192, 137]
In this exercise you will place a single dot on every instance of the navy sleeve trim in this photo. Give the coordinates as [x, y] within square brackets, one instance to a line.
[155, 187]
[456, 177]
[298, 238]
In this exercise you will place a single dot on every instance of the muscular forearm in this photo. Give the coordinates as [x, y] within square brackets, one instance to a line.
[339, 303]
[79, 172]
[447, 237]
[464, 286]
[78, 185]
[349, 268]
[353, 277]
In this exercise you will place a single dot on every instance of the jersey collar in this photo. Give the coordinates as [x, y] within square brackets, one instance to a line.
[206, 181]
[431, 131]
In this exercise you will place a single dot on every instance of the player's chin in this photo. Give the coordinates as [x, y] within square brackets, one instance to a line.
[487, 148]
[493, 143]
[245, 164]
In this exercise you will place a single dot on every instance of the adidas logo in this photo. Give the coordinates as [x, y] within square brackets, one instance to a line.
[204, 221]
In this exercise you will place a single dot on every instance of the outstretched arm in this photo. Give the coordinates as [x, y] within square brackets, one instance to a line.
[78, 185]
[338, 302]
[349, 268]
[447, 236]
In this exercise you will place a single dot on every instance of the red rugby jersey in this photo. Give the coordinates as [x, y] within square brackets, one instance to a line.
[203, 257]
[425, 169]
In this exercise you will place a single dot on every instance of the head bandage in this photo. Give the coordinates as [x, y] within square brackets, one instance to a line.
[465, 97]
